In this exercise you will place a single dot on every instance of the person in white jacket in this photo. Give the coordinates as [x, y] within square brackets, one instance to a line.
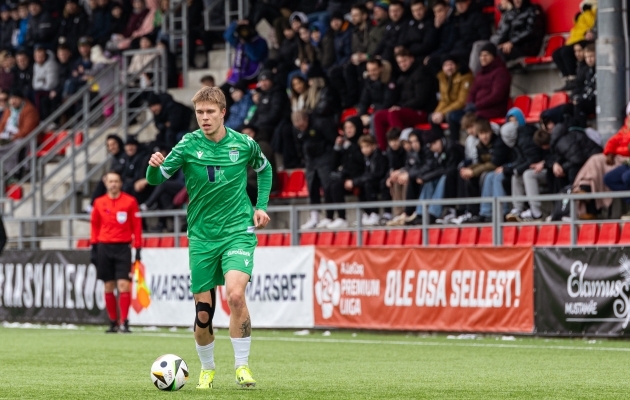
[45, 80]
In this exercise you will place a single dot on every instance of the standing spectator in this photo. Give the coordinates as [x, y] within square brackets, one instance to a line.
[287, 54]
[585, 93]
[363, 43]
[393, 31]
[41, 28]
[171, 119]
[101, 27]
[454, 87]
[317, 138]
[64, 71]
[73, 25]
[419, 34]
[7, 64]
[378, 89]
[114, 222]
[272, 107]
[45, 80]
[23, 74]
[414, 98]
[3, 236]
[7, 26]
[132, 171]
[239, 109]
[299, 89]
[119, 19]
[379, 26]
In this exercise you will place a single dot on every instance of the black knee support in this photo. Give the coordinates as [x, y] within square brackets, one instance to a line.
[205, 307]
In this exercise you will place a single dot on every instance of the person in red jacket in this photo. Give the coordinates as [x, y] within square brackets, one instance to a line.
[114, 223]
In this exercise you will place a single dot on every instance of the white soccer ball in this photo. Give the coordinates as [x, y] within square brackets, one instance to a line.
[169, 372]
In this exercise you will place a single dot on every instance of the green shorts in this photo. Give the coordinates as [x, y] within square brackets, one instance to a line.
[211, 260]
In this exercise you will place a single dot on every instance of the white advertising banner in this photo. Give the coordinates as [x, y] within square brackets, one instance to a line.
[280, 294]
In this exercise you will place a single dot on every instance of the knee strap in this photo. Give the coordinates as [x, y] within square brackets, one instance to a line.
[204, 307]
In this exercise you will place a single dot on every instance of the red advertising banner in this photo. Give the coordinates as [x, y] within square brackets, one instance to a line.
[455, 289]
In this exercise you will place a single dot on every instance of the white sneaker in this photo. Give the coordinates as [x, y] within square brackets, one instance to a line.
[448, 218]
[398, 221]
[512, 216]
[364, 218]
[338, 224]
[528, 216]
[372, 220]
[323, 224]
[310, 224]
[411, 217]
[462, 218]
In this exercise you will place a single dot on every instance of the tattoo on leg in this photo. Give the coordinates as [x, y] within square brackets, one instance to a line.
[246, 328]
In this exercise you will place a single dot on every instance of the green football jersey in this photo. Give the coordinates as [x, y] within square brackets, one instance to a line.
[216, 178]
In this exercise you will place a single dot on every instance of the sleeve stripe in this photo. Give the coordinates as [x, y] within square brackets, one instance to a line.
[261, 167]
[167, 176]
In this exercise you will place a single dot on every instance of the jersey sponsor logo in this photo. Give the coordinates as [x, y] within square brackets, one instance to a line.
[234, 155]
[239, 252]
[121, 217]
[199, 154]
[215, 174]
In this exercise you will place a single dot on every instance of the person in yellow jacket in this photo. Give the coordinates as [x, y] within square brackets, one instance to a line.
[454, 87]
[583, 29]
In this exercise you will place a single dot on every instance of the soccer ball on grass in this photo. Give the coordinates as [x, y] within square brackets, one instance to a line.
[169, 372]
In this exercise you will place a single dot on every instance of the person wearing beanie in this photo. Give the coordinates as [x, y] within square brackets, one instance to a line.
[73, 25]
[172, 119]
[238, 110]
[393, 31]
[272, 106]
[7, 26]
[340, 35]
[454, 87]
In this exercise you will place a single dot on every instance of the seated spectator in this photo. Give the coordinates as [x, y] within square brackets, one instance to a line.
[81, 65]
[45, 80]
[23, 74]
[172, 119]
[419, 34]
[340, 34]
[307, 52]
[252, 176]
[4, 101]
[321, 98]
[438, 175]
[454, 87]
[101, 27]
[287, 53]
[6, 70]
[141, 23]
[17, 122]
[414, 98]
[317, 138]
[207, 80]
[7, 26]
[583, 29]
[416, 157]
[584, 96]
[378, 89]
[578, 52]
[469, 26]
[396, 158]
[117, 163]
[239, 109]
[393, 32]
[348, 164]
[618, 180]
[74, 24]
[370, 183]
[21, 28]
[299, 89]
[140, 61]
[272, 107]
[444, 35]
[133, 172]
[119, 19]
[250, 52]
[40, 26]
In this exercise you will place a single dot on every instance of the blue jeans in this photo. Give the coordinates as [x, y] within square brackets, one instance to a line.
[433, 190]
[492, 187]
[618, 179]
[454, 119]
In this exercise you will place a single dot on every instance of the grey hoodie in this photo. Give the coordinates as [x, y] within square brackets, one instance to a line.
[46, 76]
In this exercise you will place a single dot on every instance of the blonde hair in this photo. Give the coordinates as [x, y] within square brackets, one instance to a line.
[211, 95]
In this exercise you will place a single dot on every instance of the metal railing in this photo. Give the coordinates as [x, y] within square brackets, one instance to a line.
[230, 14]
[175, 25]
[293, 212]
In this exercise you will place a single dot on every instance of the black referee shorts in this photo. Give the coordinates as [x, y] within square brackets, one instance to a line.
[113, 261]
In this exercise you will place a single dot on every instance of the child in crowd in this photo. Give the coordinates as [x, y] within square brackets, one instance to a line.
[239, 109]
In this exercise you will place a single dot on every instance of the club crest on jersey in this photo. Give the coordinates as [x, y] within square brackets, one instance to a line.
[234, 155]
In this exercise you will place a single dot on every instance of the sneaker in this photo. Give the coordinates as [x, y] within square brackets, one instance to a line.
[244, 377]
[124, 327]
[337, 224]
[462, 218]
[448, 218]
[206, 377]
[411, 217]
[398, 221]
[590, 217]
[385, 219]
[624, 217]
[311, 223]
[323, 224]
[372, 220]
[477, 219]
[113, 327]
[512, 216]
[528, 216]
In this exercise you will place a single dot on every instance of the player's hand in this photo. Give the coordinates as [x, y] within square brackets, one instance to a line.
[138, 257]
[94, 253]
[261, 219]
[156, 160]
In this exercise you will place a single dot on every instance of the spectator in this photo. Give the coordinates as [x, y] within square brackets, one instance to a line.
[578, 52]
[101, 26]
[490, 91]
[23, 74]
[297, 20]
[299, 89]
[4, 101]
[585, 93]
[379, 26]
[323, 42]
[414, 98]
[141, 23]
[81, 65]
[64, 71]
[288, 53]
[239, 109]
[521, 31]
[317, 138]
[74, 24]
[348, 164]
[207, 80]
[419, 34]
[7, 65]
[438, 175]
[140, 61]
[396, 157]
[454, 87]
[393, 31]
[341, 36]
[471, 141]
[41, 28]
[272, 107]
[619, 180]
[378, 89]
[45, 80]
[444, 35]
[172, 74]
[250, 52]
[469, 26]
[134, 181]
[583, 29]
[307, 53]
[115, 150]
[21, 28]
[7, 26]
[321, 99]
[172, 119]
[252, 177]
[119, 19]
[17, 122]
[140, 12]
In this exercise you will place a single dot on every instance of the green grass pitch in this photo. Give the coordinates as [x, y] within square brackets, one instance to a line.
[87, 364]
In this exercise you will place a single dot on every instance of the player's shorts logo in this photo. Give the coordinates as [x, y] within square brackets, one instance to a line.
[234, 155]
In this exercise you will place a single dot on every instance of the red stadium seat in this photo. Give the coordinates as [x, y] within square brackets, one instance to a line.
[376, 238]
[558, 99]
[275, 239]
[450, 237]
[527, 236]
[564, 236]
[287, 239]
[342, 238]
[183, 241]
[326, 239]
[167, 241]
[413, 237]
[468, 236]
[524, 103]
[509, 235]
[262, 239]
[308, 239]
[151, 242]
[587, 234]
[608, 234]
[395, 237]
[353, 238]
[435, 235]
[485, 237]
[14, 191]
[625, 234]
[552, 45]
[547, 235]
[540, 102]
[83, 243]
[294, 184]
[283, 179]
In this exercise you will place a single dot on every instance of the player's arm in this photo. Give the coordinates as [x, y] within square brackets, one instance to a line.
[261, 165]
[95, 224]
[161, 169]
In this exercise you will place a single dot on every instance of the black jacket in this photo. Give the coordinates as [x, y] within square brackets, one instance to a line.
[524, 27]
[72, 28]
[377, 94]
[526, 152]
[328, 103]
[469, 27]
[271, 108]
[348, 159]
[6, 32]
[391, 39]
[318, 138]
[3, 236]
[23, 79]
[174, 118]
[396, 159]
[570, 147]
[41, 30]
[436, 165]
[101, 27]
[414, 162]
[287, 54]
[420, 37]
[501, 153]
[375, 169]
[416, 88]
[445, 37]
[133, 169]
[586, 84]
[64, 72]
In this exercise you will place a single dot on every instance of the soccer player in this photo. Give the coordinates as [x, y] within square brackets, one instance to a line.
[114, 222]
[221, 223]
